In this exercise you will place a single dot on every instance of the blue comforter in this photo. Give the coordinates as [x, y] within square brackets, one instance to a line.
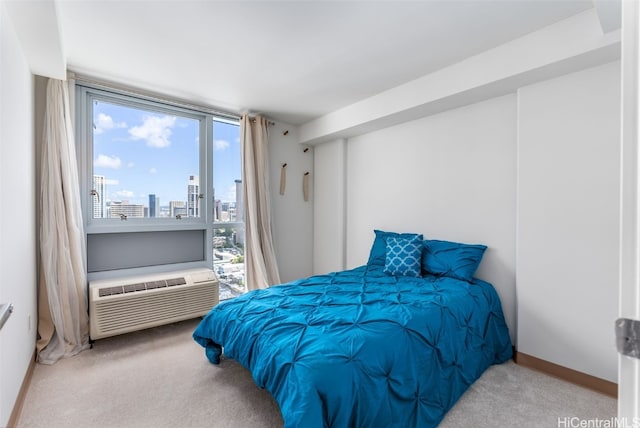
[360, 348]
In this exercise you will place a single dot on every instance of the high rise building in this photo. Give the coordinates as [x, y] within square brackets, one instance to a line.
[99, 197]
[239, 212]
[127, 209]
[177, 208]
[224, 211]
[232, 211]
[217, 210]
[154, 206]
[239, 202]
[193, 196]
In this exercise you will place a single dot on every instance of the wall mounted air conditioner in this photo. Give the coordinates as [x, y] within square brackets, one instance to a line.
[133, 303]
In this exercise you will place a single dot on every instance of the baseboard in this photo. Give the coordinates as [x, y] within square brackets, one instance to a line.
[594, 383]
[17, 408]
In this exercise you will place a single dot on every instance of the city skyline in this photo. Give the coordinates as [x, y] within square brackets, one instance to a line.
[188, 207]
[140, 152]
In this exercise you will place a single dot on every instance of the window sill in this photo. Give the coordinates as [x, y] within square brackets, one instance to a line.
[130, 226]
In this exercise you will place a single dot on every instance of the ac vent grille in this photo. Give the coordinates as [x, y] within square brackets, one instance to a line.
[141, 286]
[131, 304]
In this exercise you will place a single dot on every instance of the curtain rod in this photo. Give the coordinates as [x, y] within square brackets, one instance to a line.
[103, 84]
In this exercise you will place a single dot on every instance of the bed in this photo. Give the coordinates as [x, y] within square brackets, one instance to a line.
[362, 347]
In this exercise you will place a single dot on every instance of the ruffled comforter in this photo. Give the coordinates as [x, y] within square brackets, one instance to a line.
[360, 348]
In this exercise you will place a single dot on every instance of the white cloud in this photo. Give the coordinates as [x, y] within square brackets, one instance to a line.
[125, 194]
[130, 165]
[152, 171]
[111, 182]
[220, 144]
[104, 161]
[105, 122]
[155, 130]
[230, 195]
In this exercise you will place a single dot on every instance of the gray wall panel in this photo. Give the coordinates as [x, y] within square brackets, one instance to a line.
[110, 251]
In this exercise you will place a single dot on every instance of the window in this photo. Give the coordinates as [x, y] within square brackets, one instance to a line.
[145, 160]
[154, 166]
[228, 211]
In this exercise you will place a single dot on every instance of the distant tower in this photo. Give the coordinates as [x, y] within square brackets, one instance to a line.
[217, 210]
[154, 206]
[225, 211]
[239, 202]
[177, 207]
[100, 198]
[193, 196]
[239, 211]
[119, 208]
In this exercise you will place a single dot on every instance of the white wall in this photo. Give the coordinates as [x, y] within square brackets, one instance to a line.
[568, 219]
[537, 171]
[17, 216]
[329, 225]
[292, 221]
[449, 176]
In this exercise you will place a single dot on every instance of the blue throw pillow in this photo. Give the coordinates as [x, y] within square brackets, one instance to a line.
[404, 256]
[378, 253]
[452, 259]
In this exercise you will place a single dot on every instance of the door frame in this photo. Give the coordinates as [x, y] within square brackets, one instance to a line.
[629, 283]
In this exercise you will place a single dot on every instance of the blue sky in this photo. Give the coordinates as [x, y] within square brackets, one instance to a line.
[143, 152]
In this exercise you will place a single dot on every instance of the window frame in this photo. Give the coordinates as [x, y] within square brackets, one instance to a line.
[86, 94]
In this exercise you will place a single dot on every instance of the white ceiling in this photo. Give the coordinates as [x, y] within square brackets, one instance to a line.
[290, 60]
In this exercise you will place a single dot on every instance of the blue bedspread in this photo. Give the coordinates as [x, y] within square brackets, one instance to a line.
[360, 348]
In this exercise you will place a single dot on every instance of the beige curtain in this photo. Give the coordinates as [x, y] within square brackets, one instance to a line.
[63, 324]
[260, 259]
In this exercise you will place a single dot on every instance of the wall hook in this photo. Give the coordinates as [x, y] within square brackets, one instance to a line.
[305, 186]
[283, 178]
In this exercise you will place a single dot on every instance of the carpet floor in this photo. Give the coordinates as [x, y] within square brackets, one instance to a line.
[160, 378]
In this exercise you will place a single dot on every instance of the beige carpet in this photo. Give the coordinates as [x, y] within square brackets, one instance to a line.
[160, 378]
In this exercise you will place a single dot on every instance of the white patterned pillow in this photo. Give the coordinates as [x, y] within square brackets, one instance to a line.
[404, 256]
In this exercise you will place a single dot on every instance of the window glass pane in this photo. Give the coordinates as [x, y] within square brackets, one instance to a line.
[228, 241]
[145, 163]
[227, 173]
[228, 260]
